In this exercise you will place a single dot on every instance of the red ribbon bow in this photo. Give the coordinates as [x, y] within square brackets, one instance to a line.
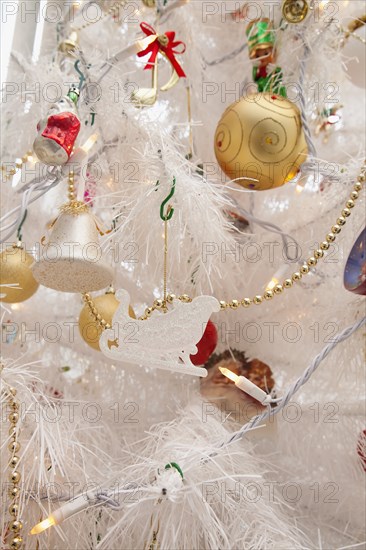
[169, 49]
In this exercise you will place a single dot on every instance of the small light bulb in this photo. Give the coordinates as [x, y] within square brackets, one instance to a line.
[277, 277]
[322, 4]
[43, 525]
[16, 178]
[229, 374]
[245, 385]
[89, 143]
[272, 284]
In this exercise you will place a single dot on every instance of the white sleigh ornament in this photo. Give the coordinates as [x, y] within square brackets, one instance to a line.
[164, 341]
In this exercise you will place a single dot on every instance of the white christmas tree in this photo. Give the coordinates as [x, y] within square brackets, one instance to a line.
[182, 274]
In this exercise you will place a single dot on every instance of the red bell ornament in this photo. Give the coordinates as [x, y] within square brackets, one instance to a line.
[57, 133]
[206, 346]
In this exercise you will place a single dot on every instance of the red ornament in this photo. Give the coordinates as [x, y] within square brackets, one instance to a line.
[57, 132]
[206, 346]
[361, 448]
[63, 128]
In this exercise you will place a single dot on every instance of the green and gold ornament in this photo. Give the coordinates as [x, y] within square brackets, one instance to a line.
[261, 42]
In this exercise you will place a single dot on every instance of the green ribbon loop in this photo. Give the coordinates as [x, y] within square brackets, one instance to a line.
[176, 466]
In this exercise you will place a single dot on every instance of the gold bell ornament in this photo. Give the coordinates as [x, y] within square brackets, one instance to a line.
[72, 260]
[105, 306]
[259, 141]
[15, 270]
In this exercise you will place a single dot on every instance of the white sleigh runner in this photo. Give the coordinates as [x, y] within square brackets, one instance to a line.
[165, 341]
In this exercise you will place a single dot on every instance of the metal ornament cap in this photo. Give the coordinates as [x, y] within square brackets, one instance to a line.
[50, 152]
[72, 259]
[69, 45]
[295, 11]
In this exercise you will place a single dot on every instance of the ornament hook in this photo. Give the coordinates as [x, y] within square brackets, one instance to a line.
[170, 211]
[176, 466]
[19, 230]
[82, 77]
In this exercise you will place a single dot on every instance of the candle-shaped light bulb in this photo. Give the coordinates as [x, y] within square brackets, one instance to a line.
[43, 525]
[67, 510]
[89, 143]
[273, 282]
[246, 386]
[229, 374]
[277, 277]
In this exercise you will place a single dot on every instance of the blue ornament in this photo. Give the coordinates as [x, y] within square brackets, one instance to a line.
[355, 270]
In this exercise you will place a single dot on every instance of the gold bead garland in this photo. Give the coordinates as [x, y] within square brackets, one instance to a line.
[157, 305]
[100, 322]
[312, 260]
[74, 206]
[15, 525]
[18, 164]
[71, 189]
[268, 294]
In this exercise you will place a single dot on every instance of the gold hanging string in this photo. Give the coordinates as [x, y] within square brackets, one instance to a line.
[166, 216]
[189, 109]
[154, 544]
[165, 257]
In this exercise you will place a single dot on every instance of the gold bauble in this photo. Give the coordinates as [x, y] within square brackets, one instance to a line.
[15, 265]
[149, 3]
[106, 305]
[295, 11]
[260, 140]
